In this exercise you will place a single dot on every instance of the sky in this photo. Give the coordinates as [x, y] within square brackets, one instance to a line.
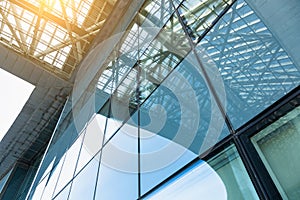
[14, 94]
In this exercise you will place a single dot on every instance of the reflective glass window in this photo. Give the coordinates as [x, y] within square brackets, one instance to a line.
[67, 171]
[179, 121]
[118, 175]
[52, 180]
[198, 16]
[38, 191]
[230, 168]
[92, 141]
[221, 177]
[83, 185]
[278, 146]
[63, 195]
[4, 180]
[255, 68]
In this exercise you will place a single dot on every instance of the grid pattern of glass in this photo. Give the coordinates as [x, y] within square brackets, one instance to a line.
[255, 69]
[171, 93]
[57, 34]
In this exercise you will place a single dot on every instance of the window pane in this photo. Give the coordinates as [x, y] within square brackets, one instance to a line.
[221, 177]
[118, 175]
[229, 166]
[198, 181]
[83, 185]
[63, 195]
[4, 180]
[92, 141]
[278, 146]
[199, 15]
[38, 191]
[67, 171]
[255, 68]
[51, 180]
[179, 121]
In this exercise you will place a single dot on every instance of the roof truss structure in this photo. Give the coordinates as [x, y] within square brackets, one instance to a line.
[56, 34]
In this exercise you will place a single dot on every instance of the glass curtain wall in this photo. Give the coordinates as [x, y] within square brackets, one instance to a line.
[182, 78]
[222, 177]
[278, 147]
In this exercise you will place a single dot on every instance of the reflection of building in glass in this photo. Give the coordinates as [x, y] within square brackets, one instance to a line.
[164, 97]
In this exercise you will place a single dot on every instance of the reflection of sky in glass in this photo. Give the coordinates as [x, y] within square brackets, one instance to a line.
[199, 181]
[240, 71]
[84, 183]
[3, 180]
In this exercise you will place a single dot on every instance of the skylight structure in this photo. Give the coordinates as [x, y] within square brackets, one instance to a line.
[56, 34]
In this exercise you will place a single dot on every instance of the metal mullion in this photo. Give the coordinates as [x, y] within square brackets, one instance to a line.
[105, 130]
[205, 74]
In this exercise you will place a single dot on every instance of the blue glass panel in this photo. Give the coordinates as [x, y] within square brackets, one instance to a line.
[68, 168]
[52, 180]
[38, 190]
[92, 141]
[198, 15]
[180, 120]
[255, 68]
[83, 185]
[198, 181]
[221, 177]
[4, 180]
[118, 175]
[64, 194]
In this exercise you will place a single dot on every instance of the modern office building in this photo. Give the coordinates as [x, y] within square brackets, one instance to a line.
[153, 99]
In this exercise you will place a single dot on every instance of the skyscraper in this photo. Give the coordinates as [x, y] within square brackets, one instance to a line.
[170, 99]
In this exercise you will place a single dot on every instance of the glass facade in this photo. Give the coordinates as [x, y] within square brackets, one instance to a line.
[166, 114]
[221, 177]
[278, 147]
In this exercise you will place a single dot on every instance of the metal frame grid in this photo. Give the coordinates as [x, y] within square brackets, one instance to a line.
[56, 34]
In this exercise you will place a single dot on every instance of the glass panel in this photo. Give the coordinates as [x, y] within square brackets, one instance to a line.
[230, 168]
[278, 146]
[165, 52]
[4, 180]
[67, 171]
[199, 180]
[221, 177]
[160, 157]
[198, 16]
[118, 177]
[83, 185]
[52, 180]
[255, 69]
[38, 191]
[180, 120]
[63, 195]
[155, 13]
[63, 138]
[60, 143]
[184, 103]
[144, 28]
[92, 141]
